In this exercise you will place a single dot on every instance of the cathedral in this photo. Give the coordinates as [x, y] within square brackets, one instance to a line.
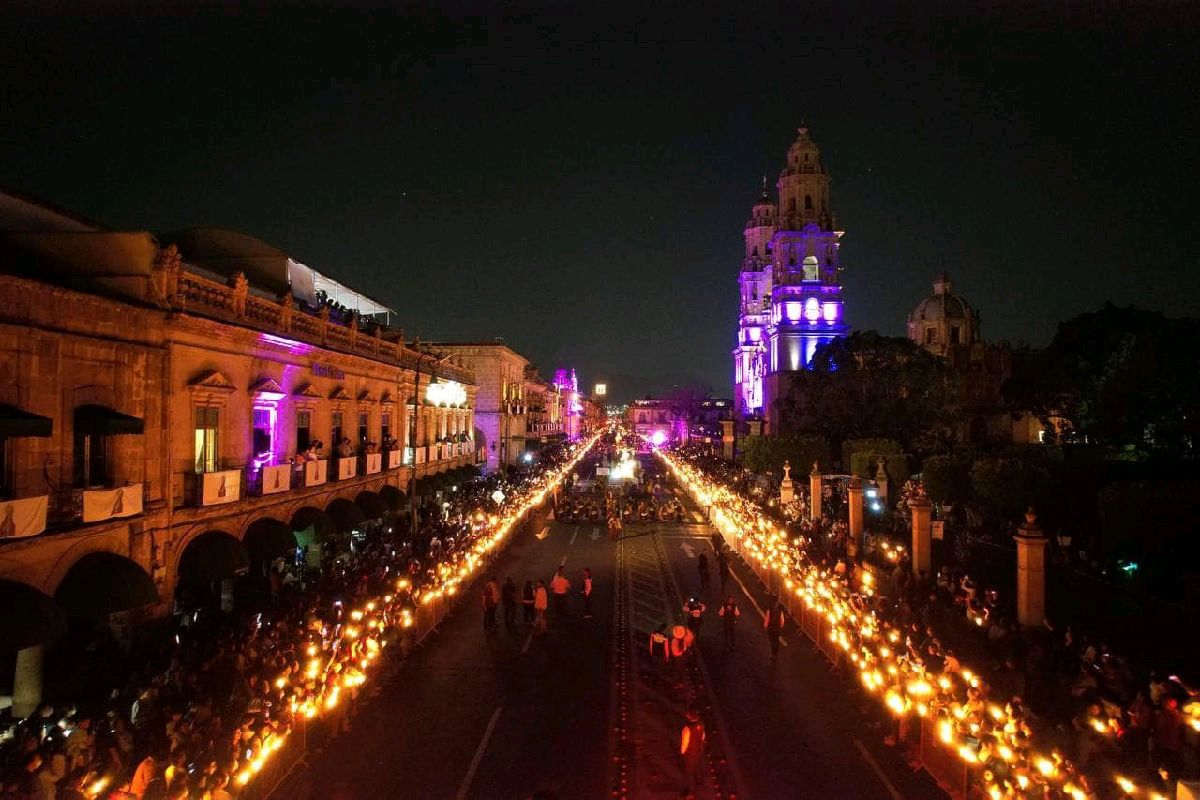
[791, 291]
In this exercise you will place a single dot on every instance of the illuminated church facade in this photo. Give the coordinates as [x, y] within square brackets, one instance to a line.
[790, 284]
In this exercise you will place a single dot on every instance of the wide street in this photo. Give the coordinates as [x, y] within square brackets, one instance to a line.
[508, 715]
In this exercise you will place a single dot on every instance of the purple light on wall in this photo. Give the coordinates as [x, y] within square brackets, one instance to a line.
[812, 309]
[291, 345]
[830, 312]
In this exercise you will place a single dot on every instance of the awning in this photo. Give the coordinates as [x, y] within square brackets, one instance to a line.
[345, 515]
[100, 419]
[315, 518]
[371, 505]
[396, 500]
[27, 617]
[268, 539]
[15, 422]
[100, 584]
[212, 556]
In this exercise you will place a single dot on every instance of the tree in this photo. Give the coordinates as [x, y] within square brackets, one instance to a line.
[686, 401]
[947, 479]
[1122, 377]
[861, 457]
[868, 386]
[1005, 486]
[767, 453]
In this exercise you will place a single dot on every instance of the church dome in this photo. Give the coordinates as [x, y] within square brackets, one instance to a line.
[942, 304]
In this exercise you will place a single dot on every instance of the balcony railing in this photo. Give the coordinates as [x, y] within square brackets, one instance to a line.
[190, 292]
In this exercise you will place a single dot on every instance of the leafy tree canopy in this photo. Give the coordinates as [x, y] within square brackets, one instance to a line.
[868, 386]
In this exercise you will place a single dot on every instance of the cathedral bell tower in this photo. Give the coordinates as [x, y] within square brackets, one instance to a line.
[790, 281]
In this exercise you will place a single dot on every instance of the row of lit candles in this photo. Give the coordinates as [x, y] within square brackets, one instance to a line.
[987, 737]
[339, 658]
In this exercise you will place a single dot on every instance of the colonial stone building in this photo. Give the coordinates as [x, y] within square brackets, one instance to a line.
[948, 326]
[153, 400]
[790, 284]
[501, 406]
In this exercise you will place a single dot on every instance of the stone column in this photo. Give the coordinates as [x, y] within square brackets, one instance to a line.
[787, 492]
[854, 545]
[1031, 571]
[814, 488]
[727, 439]
[27, 682]
[754, 426]
[881, 480]
[922, 534]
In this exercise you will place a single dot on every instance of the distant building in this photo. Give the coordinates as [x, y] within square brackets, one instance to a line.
[790, 284]
[948, 326]
[658, 421]
[501, 405]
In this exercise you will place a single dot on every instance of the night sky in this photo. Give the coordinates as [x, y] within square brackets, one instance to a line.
[576, 178]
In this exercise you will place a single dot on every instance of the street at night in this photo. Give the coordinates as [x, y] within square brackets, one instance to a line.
[610, 401]
[509, 714]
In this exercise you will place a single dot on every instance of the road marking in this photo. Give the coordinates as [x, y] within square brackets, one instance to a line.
[573, 535]
[487, 734]
[544, 533]
[697, 516]
[687, 548]
[750, 597]
[887, 784]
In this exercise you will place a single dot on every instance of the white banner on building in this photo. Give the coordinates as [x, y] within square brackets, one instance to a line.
[346, 467]
[277, 478]
[102, 504]
[374, 463]
[221, 487]
[395, 458]
[315, 472]
[24, 517]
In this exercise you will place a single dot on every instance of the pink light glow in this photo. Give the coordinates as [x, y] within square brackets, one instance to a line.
[658, 438]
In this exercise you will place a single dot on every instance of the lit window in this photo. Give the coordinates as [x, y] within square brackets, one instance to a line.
[812, 309]
[794, 311]
[207, 422]
[830, 312]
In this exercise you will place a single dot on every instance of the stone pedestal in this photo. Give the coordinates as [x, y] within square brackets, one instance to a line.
[922, 534]
[814, 487]
[727, 439]
[881, 481]
[787, 491]
[27, 682]
[1031, 571]
[854, 545]
[754, 427]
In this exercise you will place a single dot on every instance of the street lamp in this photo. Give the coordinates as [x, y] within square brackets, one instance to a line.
[412, 435]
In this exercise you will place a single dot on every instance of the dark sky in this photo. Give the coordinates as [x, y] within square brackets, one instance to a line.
[575, 178]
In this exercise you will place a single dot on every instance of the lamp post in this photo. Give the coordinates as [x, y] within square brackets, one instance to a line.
[412, 437]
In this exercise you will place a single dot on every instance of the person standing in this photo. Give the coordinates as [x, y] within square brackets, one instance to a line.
[694, 609]
[508, 595]
[729, 614]
[702, 566]
[491, 600]
[722, 569]
[659, 639]
[587, 593]
[559, 586]
[691, 752]
[540, 603]
[773, 624]
[527, 597]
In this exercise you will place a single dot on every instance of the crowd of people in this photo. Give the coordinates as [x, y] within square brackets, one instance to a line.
[1098, 713]
[193, 708]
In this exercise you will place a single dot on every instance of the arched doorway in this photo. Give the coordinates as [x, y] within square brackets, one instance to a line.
[314, 532]
[208, 568]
